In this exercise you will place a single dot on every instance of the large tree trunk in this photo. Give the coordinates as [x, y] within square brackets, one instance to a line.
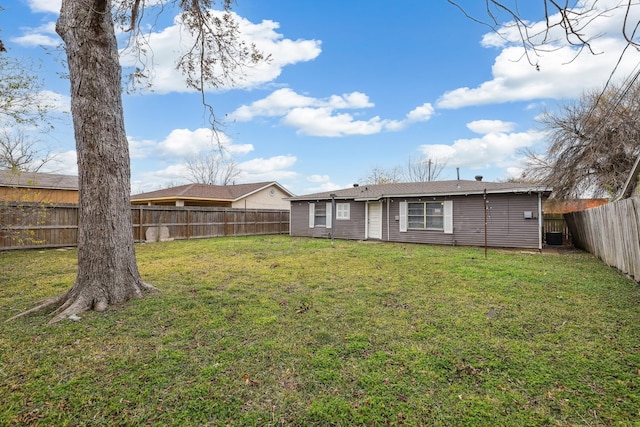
[107, 270]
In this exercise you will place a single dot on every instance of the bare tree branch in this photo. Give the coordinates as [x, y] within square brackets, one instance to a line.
[217, 56]
[570, 19]
[424, 170]
[20, 153]
[593, 143]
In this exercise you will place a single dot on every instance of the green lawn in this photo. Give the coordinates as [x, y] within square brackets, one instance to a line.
[282, 331]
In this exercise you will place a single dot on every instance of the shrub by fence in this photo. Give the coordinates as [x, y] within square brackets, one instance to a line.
[57, 226]
[611, 232]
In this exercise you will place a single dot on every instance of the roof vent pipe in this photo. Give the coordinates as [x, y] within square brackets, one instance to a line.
[478, 177]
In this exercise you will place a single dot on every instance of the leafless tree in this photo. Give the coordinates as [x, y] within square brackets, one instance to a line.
[20, 153]
[593, 143]
[424, 170]
[107, 270]
[213, 168]
[380, 175]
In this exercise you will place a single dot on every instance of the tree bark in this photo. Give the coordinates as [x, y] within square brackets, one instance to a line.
[107, 270]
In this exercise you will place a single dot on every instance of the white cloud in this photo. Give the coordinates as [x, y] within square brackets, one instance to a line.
[497, 147]
[320, 183]
[484, 127]
[45, 6]
[275, 168]
[261, 165]
[167, 159]
[34, 39]
[65, 163]
[278, 103]
[318, 178]
[327, 186]
[165, 46]
[154, 180]
[141, 149]
[421, 113]
[563, 72]
[44, 35]
[319, 116]
[185, 143]
[55, 101]
[323, 122]
[282, 101]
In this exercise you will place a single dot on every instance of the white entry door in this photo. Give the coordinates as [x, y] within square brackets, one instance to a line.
[374, 221]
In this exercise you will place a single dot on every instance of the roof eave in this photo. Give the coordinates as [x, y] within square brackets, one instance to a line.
[175, 198]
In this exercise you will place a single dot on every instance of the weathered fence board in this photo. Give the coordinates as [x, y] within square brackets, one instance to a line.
[25, 226]
[611, 232]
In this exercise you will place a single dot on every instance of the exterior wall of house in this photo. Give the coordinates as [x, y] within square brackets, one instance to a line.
[351, 229]
[267, 198]
[506, 222]
[38, 195]
[434, 237]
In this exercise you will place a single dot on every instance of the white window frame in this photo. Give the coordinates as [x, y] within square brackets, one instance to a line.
[447, 215]
[312, 216]
[343, 211]
[428, 209]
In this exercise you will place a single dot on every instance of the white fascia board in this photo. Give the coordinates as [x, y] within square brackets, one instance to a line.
[469, 193]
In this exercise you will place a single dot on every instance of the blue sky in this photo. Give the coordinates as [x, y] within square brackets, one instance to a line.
[351, 86]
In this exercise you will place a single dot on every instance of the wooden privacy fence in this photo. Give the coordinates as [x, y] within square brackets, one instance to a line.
[25, 226]
[611, 232]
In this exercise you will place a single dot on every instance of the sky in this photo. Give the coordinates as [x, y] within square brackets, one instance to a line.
[349, 87]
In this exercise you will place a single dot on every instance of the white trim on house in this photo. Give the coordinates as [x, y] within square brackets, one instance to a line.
[448, 216]
[403, 216]
[312, 215]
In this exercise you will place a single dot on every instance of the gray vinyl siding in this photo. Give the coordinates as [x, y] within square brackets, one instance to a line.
[506, 225]
[351, 229]
[432, 237]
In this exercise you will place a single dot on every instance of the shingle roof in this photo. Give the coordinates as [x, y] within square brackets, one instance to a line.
[432, 188]
[10, 178]
[205, 191]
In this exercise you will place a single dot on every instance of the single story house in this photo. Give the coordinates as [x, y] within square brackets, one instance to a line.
[438, 212]
[260, 195]
[38, 187]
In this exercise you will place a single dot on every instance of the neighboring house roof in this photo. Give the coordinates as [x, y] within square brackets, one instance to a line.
[221, 193]
[10, 178]
[432, 188]
[555, 206]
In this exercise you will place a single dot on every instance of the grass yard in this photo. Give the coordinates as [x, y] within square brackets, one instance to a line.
[282, 331]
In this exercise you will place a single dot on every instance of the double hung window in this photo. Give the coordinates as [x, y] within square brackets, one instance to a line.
[425, 215]
[320, 215]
